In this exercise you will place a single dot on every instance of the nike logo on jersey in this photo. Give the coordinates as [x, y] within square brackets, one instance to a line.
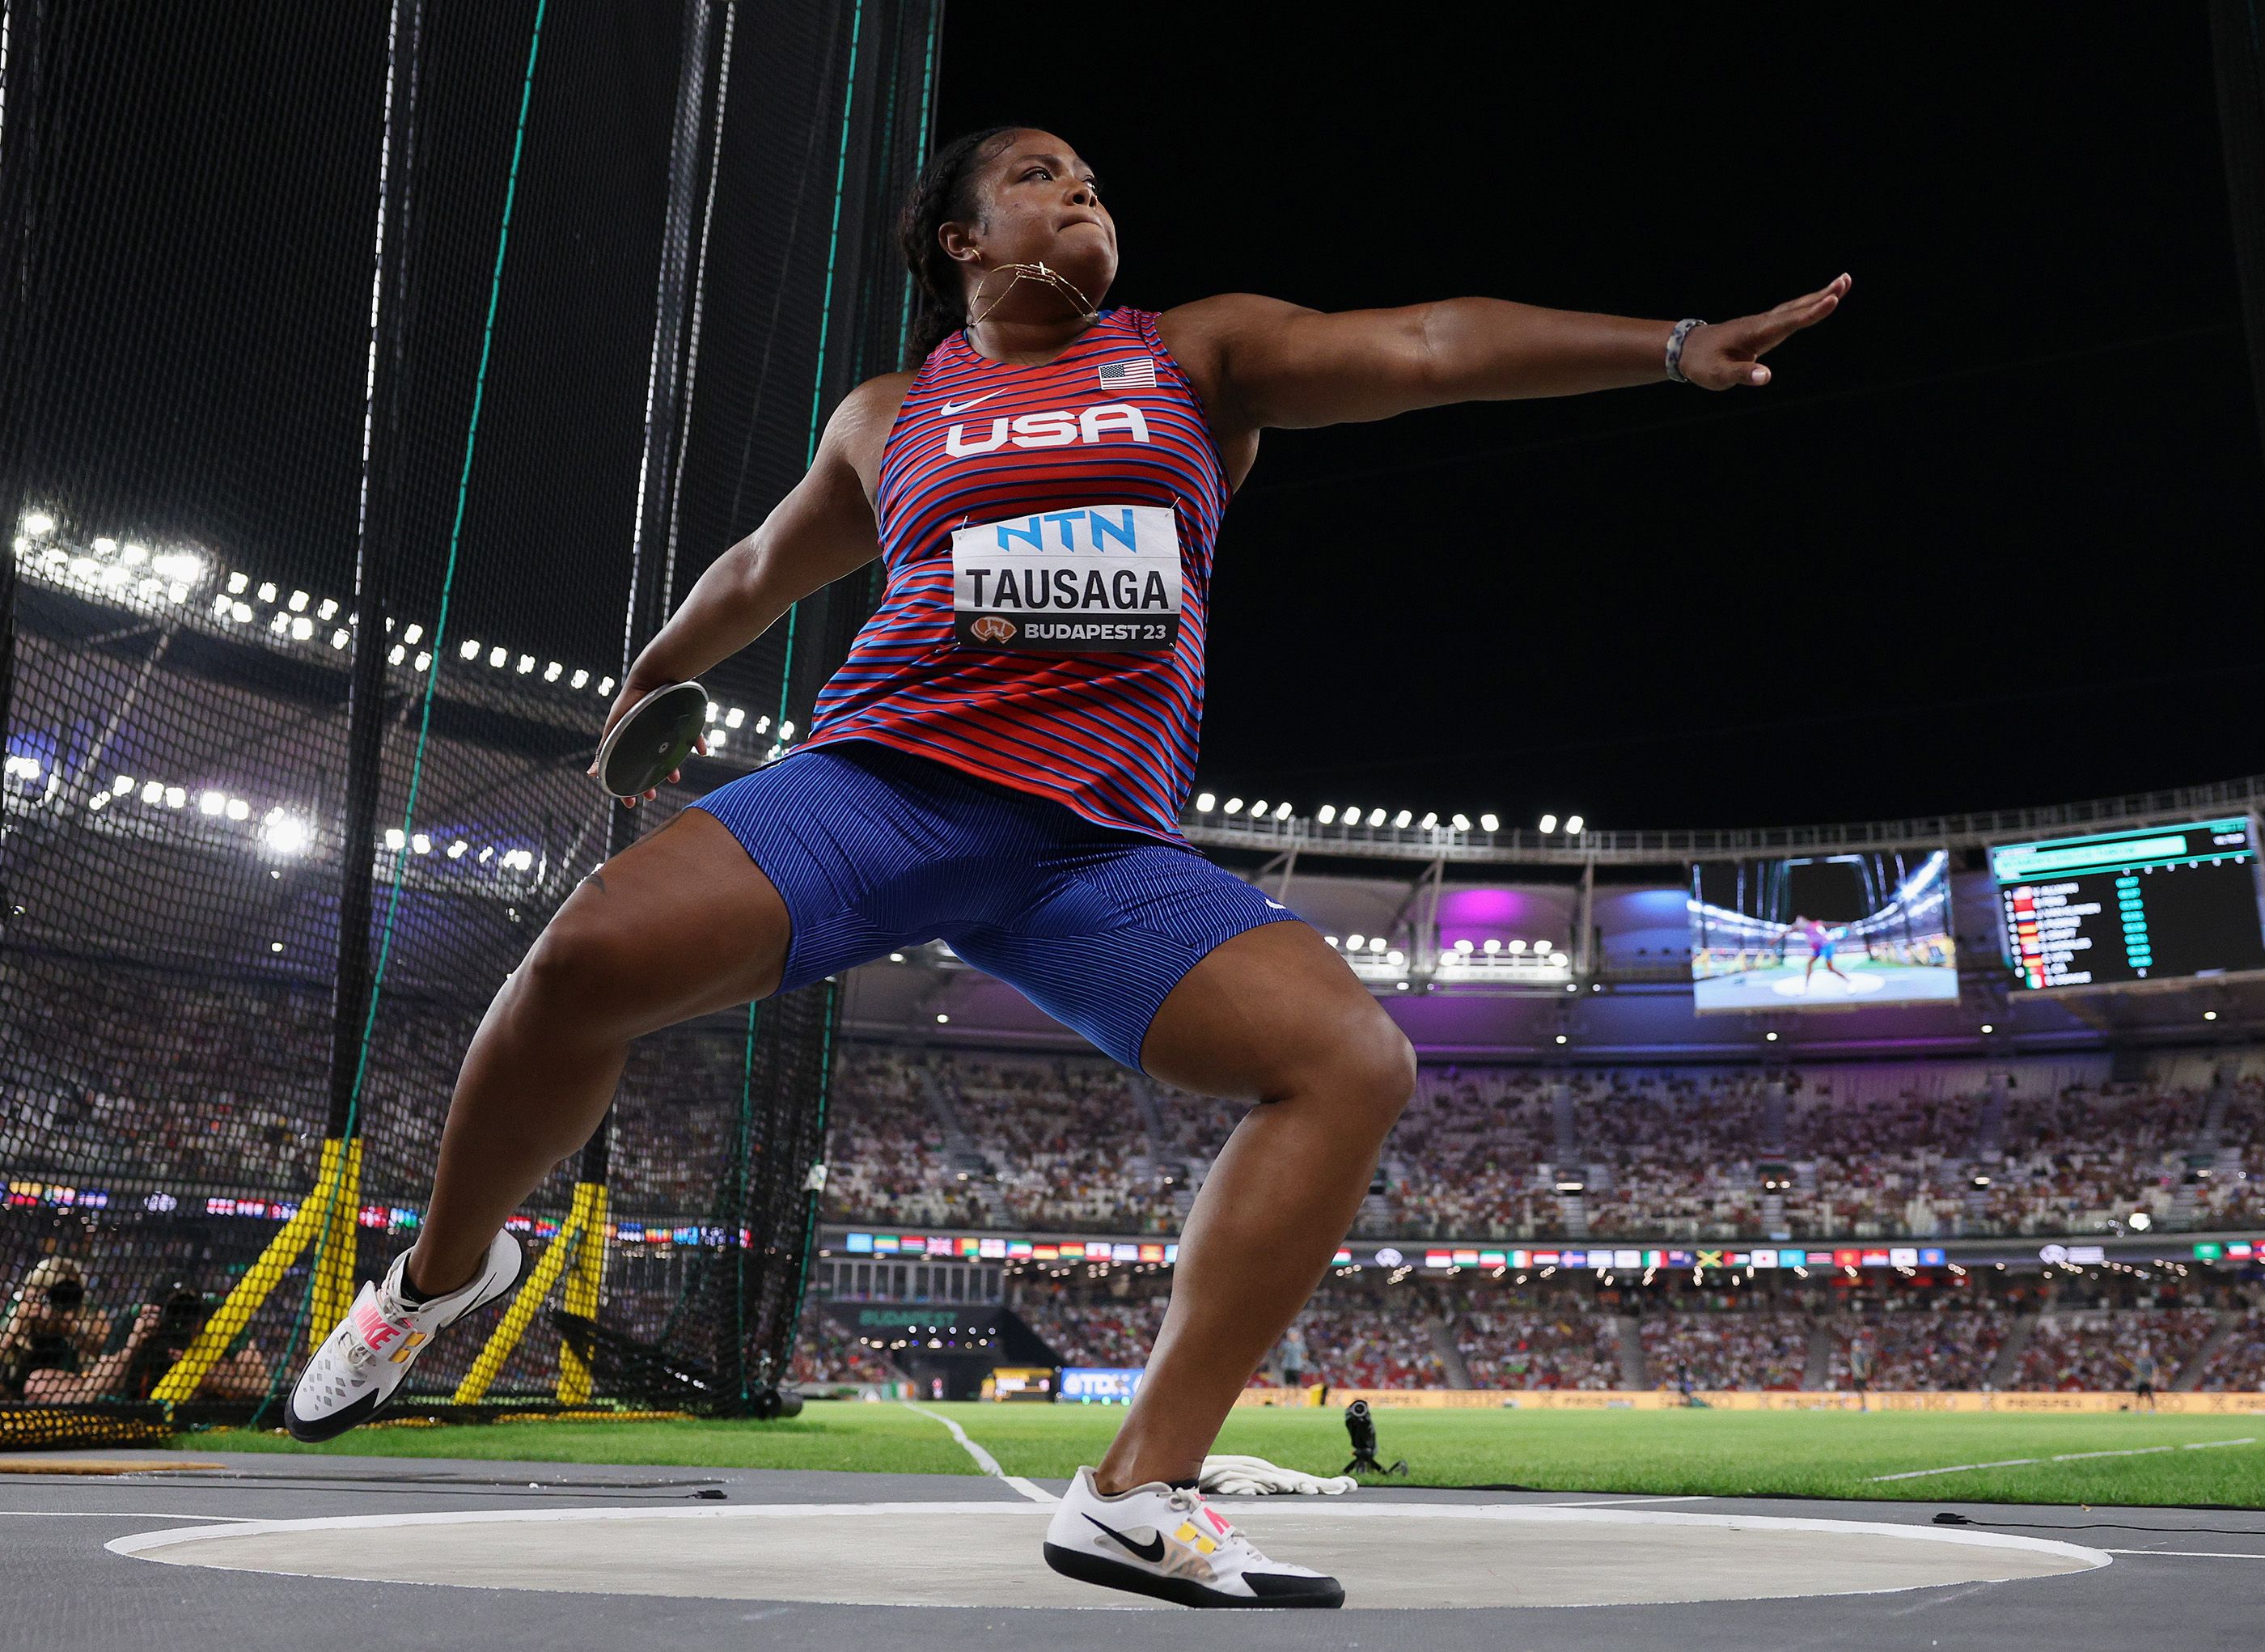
[1152, 1551]
[1052, 430]
[1278, 905]
[949, 408]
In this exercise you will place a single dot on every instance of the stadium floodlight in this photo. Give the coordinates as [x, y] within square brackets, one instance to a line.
[267, 591]
[106, 546]
[1376, 817]
[1492, 947]
[298, 604]
[1987, 1027]
[1281, 811]
[134, 556]
[1563, 1039]
[1430, 819]
[456, 849]
[1205, 801]
[155, 791]
[238, 584]
[896, 957]
[469, 648]
[786, 731]
[486, 854]
[1558, 960]
[212, 802]
[519, 859]
[238, 810]
[97, 801]
[177, 796]
[301, 629]
[286, 832]
[1489, 823]
[120, 786]
[240, 612]
[1376, 943]
[2210, 1014]
[412, 635]
[1258, 809]
[23, 545]
[1355, 942]
[497, 657]
[578, 679]
[606, 686]
[1546, 824]
[1517, 946]
[325, 608]
[941, 1019]
[1575, 825]
[1395, 957]
[421, 844]
[526, 663]
[715, 740]
[1771, 1036]
[38, 522]
[2141, 1221]
[1460, 822]
[1234, 805]
[1405, 819]
[1326, 814]
[398, 655]
[423, 661]
[1465, 948]
[274, 946]
[394, 838]
[1330, 940]
[732, 718]
[340, 637]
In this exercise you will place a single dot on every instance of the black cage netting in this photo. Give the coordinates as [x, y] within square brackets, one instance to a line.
[375, 376]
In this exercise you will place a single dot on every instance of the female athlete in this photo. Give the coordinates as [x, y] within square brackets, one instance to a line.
[1001, 763]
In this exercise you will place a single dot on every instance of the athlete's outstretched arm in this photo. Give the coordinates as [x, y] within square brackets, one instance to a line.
[1283, 367]
[819, 531]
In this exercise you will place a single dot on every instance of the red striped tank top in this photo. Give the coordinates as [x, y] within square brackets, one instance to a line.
[1112, 422]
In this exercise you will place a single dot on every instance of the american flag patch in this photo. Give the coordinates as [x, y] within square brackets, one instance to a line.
[1138, 373]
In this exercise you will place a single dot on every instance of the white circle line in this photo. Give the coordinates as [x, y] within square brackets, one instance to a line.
[144, 1543]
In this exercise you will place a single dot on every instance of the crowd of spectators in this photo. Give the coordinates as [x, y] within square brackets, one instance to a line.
[1673, 1154]
[1944, 1346]
[824, 1353]
[2238, 1365]
[1512, 1348]
[1069, 1141]
[1722, 1350]
[2100, 1350]
[1470, 1159]
[1113, 1333]
[886, 1159]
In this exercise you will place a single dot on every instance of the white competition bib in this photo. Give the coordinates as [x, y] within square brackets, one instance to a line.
[1103, 579]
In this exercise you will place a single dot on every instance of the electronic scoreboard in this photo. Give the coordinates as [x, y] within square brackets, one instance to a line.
[2154, 904]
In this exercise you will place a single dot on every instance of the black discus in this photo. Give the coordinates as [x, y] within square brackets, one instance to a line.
[648, 744]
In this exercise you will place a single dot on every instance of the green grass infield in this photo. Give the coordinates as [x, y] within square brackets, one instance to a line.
[2107, 1457]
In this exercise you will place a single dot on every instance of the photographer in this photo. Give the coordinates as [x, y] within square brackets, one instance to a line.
[51, 1351]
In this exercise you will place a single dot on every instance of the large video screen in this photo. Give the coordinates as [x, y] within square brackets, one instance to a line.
[2117, 907]
[1819, 930]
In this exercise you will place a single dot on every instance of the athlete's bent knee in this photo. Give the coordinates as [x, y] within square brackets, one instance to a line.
[1375, 1065]
[575, 969]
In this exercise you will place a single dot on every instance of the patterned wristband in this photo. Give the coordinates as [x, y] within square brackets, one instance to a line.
[1675, 348]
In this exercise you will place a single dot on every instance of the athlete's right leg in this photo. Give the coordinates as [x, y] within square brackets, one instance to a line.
[679, 925]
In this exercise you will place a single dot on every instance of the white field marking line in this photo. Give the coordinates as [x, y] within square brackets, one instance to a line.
[1622, 1502]
[984, 1460]
[2191, 1554]
[121, 1514]
[2065, 1457]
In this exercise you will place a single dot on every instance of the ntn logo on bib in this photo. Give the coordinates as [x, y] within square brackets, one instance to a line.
[1103, 578]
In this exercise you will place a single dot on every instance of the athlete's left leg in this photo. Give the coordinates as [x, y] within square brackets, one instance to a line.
[1274, 1016]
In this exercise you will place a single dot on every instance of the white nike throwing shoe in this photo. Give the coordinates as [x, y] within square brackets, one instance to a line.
[363, 1363]
[1163, 1541]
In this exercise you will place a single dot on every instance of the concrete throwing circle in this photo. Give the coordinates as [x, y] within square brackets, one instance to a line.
[986, 1553]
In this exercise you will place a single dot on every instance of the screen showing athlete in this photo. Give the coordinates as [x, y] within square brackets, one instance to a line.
[1001, 763]
[1823, 940]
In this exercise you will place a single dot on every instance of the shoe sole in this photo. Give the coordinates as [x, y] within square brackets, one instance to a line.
[314, 1430]
[1185, 1591]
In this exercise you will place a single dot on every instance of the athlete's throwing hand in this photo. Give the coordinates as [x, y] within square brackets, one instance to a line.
[1725, 355]
[623, 703]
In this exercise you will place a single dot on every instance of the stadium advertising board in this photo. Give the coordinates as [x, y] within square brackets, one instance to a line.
[1099, 1384]
[1822, 931]
[2117, 908]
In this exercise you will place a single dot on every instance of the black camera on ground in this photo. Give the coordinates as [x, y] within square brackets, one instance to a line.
[1361, 1425]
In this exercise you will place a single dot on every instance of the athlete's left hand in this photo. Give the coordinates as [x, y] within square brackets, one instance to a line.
[1727, 355]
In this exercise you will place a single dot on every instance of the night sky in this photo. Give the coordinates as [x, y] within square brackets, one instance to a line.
[1989, 540]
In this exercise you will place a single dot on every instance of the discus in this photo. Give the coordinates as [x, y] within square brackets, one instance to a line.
[647, 745]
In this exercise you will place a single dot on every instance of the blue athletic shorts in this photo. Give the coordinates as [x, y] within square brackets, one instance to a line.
[874, 850]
